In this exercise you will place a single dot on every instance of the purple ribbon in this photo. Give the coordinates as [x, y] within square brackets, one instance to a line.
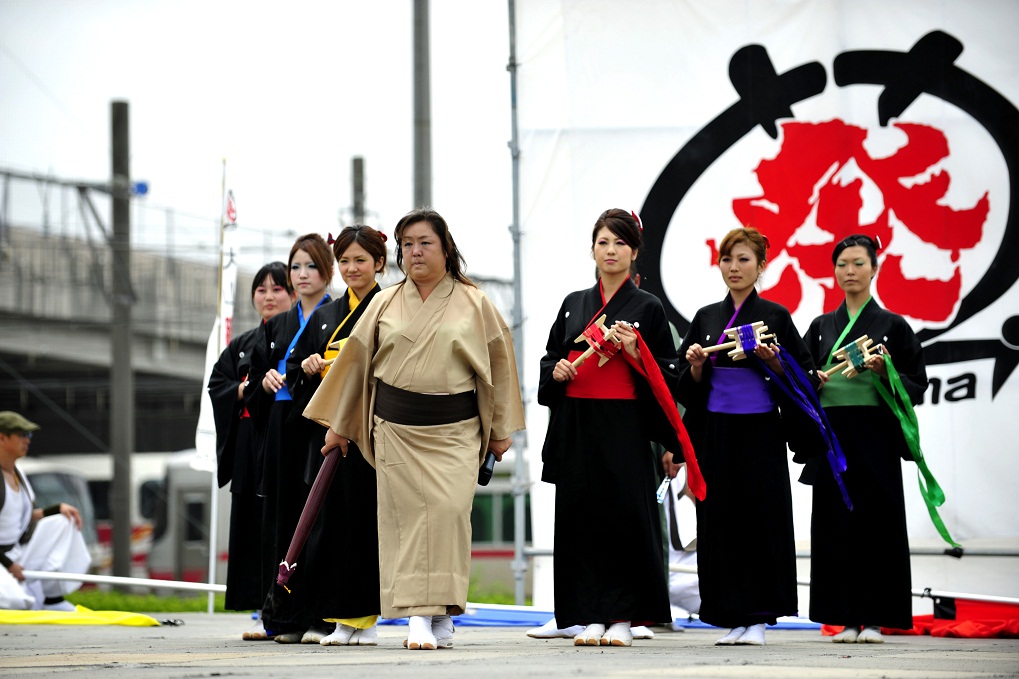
[798, 388]
[722, 338]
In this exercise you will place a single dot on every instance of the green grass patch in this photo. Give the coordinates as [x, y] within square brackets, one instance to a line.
[491, 593]
[99, 600]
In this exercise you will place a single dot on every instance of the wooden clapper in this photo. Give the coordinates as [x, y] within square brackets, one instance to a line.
[737, 346]
[600, 340]
[853, 357]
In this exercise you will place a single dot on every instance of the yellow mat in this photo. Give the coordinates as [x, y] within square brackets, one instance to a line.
[81, 616]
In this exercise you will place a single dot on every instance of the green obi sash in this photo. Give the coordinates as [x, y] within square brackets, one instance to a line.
[842, 391]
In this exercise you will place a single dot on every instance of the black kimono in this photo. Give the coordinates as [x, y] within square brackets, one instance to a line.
[609, 564]
[746, 552]
[284, 461]
[859, 560]
[346, 531]
[236, 443]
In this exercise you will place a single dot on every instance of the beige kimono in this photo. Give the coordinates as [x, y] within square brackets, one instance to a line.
[455, 341]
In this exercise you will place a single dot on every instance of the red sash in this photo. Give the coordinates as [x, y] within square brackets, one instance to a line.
[614, 380]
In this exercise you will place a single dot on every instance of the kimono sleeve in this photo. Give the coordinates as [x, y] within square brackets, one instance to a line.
[257, 401]
[657, 335]
[303, 386]
[550, 392]
[224, 381]
[909, 360]
[792, 343]
[813, 343]
[343, 400]
[508, 413]
[691, 394]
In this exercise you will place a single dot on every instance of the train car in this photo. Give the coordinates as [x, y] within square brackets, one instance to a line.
[182, 529]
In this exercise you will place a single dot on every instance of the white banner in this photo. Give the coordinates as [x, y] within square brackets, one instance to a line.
[810, 120]
[219, 338]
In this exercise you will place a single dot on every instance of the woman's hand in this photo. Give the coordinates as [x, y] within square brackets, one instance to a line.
[823, 377]
[313, 365]
[876, 362]
[334, 441]
[769, 354]
[272, 381]
[669, 466]
[499, 447]
[563, 371]
[626, 335]
[696, 356]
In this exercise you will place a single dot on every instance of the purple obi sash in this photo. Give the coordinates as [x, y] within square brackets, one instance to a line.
[739, 391]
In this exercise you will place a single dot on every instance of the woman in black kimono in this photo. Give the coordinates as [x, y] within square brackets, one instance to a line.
[609, 566]
[270, 403]
[236, 447]
[745, 549]
[859, 560]
[346, 530]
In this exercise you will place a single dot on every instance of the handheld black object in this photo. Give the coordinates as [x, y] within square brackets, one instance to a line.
[487, 467]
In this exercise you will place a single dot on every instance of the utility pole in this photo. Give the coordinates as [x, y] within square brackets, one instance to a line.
[422, 108]
[520, 484]
[121, 375]
[358, 178]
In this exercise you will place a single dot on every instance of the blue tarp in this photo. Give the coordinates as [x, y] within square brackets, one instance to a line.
[493, 615]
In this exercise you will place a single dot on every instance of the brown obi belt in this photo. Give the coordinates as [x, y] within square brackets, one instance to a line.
[400, 406]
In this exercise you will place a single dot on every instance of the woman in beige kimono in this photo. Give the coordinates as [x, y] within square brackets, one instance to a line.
[425, 385]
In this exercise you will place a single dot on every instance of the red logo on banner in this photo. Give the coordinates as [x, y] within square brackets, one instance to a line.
[231, 208]
[805, 179]
[813, 191]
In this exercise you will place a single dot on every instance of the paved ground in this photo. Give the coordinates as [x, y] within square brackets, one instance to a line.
[210, 646]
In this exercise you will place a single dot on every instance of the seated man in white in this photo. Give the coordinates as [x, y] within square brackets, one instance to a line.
[31, 538]
[684, 587]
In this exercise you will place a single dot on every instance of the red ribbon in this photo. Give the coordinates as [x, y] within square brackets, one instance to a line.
[648, 367]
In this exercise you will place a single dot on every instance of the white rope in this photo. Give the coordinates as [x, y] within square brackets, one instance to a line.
[119, 580]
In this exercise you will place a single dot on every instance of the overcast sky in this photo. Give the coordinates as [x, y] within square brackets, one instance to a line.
[287, 94]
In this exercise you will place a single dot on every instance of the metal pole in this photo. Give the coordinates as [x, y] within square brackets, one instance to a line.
[214, 485]
[520, 482]
[3, 214]
[358, 177]
[422, 109]
[122, 440]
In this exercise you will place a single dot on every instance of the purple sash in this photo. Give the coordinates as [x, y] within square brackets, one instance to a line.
[739, 391]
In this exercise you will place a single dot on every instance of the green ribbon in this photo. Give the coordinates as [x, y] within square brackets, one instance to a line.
[898, 400]
[842, 337]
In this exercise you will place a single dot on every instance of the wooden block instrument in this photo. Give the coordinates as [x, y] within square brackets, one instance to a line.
[743, 338]
[853, 357]
[600, 340]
